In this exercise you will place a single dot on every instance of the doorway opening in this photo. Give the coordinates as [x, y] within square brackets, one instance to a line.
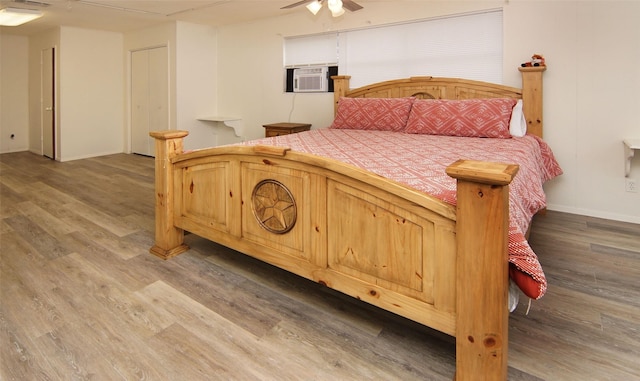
[47, 103]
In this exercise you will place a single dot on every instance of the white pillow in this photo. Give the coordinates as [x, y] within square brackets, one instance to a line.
[517, 123]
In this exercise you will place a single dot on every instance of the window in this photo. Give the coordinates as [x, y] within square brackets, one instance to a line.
[311, 50]
[466, 46]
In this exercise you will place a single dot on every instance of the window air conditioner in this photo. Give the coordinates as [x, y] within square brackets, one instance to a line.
[310, 79]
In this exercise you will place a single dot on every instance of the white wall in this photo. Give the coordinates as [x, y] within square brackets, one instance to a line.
[14, 93]
[591, 97]
[590, 87]
[196, 82]
[192, 77]
[91, 99]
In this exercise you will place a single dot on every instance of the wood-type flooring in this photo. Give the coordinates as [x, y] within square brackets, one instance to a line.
[81, 298]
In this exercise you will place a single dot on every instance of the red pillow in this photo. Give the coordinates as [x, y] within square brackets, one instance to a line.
[382, 114]
[484, 118]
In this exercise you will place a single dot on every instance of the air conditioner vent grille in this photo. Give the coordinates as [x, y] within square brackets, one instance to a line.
[310, 79]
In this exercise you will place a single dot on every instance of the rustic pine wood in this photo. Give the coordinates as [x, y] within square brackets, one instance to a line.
[482, 332]
[169, 238]
[532, 98]
[411, 268]
[315, 247]
[81, 298]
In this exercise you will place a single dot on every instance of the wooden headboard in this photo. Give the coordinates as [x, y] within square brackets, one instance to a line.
[454, 88]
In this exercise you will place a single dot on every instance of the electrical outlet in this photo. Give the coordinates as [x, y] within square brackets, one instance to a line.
[631, 185]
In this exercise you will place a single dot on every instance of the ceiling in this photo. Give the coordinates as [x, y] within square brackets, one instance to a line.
[126, 15]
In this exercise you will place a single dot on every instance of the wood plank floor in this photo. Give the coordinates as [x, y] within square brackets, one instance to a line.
[82, 299]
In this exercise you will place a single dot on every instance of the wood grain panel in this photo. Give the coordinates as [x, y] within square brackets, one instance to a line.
[204, 194]
[297, 182]
[395, 262]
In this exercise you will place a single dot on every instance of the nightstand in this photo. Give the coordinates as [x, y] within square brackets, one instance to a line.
[277, 129]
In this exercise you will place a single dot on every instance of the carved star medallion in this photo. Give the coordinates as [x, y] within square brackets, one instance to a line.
[274, 207]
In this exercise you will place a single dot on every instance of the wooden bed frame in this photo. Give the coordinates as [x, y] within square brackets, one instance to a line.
[453, 275]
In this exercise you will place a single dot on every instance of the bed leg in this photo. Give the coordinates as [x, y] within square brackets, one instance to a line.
[169, 240]
[482, 316]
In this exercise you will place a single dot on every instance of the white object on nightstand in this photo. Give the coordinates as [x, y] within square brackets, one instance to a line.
[630, 145]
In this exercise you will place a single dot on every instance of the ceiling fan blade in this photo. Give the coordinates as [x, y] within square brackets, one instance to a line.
[351, 5]
[297, 4]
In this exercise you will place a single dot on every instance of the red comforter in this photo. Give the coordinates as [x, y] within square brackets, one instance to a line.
[419, 161]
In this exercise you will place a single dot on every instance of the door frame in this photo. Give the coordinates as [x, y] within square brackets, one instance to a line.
[53, 108]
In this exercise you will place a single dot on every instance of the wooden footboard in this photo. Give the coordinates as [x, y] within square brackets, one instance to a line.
[442, 266]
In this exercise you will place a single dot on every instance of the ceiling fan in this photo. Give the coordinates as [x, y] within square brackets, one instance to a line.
[336, 7]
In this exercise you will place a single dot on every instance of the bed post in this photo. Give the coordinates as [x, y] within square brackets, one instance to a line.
[532, 98]
[340, 88]
[482, 315]
[169, 239]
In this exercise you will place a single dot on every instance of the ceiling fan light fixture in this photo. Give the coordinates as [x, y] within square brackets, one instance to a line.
[337, 13]
[335, 6]
[315, 6]
[17, 16]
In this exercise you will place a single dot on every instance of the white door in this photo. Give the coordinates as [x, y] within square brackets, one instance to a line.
[47, 98]
[149, 97]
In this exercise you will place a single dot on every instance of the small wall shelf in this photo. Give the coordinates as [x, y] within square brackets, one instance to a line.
[630, 146]
[229, 121]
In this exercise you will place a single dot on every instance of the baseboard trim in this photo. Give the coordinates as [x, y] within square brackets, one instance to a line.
[595, 213]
